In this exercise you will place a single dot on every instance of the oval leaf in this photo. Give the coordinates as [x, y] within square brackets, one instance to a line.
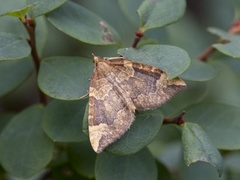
[158, 13]
[13, 47]
[43, 6]
[142, 132]
[82, 24]
[65, 78]
[62, 120]
[199, 71]
[140, 166]
[198, 147]
[24, 147]
[82, 158]
[230, 48]
[13, 73]
[171, 59]
[220, 121]
[220, 33]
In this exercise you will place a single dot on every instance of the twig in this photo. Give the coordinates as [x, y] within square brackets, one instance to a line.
[206, 53]
[30, 26]
[138, 36]
[175, 120]
[234, 29]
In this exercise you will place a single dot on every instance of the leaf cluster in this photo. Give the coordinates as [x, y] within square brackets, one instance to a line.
[50, 137]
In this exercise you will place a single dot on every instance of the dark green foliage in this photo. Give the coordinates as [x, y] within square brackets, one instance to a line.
[49, 139]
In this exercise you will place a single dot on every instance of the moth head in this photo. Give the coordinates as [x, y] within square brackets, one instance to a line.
[99, 63]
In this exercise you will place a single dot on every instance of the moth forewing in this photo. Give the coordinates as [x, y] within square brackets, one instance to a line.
[120, 87]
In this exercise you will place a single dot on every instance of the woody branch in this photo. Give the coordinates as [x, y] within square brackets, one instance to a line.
[234, 29]
[138, 36]
[30, 26]
[175, 120]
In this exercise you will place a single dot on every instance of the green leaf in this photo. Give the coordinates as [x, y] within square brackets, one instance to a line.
[221, 33]
[199, 71]
[200, 171]
[231, 48]
[220, 121]
[24, 147]
[65, 78]
[198, 147]
[11, 5]
[154, 36]
[194, 93]
[85, 121]
[13, 47]
[4, 119]
[142, 132]
[82, 24]
[225, 87]
[140, 166]
[42, 7]
[82, 158]
[171, 59]
[129, 10]
[159, 13]
[13, 73]
[163, 172]
[20, 13]
[42, 33]
[37, 176]
[62, 120]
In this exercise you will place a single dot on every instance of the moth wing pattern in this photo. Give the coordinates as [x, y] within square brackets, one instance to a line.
[109, 115]
[118, 87]
[147, 86]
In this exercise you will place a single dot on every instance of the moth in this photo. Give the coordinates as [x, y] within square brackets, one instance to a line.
[118, 88]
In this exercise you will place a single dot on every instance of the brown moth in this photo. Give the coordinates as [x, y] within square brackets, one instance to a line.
[117, 89]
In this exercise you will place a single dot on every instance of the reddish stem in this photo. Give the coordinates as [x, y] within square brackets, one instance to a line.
[234, 29]
[175, 120]
[206, 53]
[30, 26]
[138, 36]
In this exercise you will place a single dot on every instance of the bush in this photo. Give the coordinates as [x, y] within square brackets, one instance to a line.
[46, 52]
